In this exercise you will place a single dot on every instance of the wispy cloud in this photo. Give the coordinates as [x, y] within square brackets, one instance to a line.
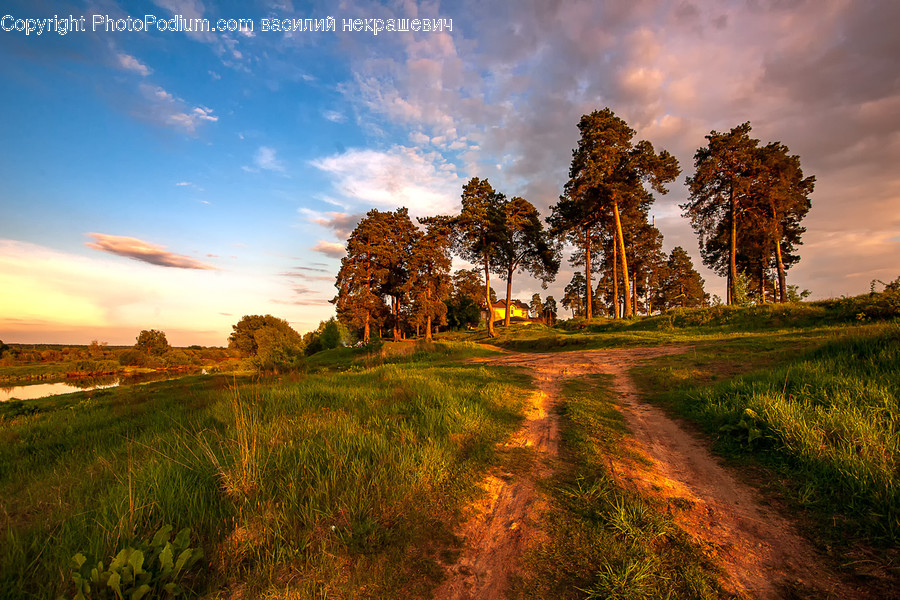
[143, 251]
[168, 110]
[334, 116]
[189, 184]
[332, 249]
[341, 223]
[266, 159]
[130, 63]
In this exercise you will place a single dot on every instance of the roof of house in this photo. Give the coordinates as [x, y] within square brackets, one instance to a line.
[515, 303]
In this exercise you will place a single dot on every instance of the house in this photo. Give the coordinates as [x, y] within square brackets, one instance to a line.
[518, 311]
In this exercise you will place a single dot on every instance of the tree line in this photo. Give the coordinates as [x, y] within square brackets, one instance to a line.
[746, 204]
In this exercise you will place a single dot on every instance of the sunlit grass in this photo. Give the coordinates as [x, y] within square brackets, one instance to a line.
[824, 414]
[601, 539]
[342, 484]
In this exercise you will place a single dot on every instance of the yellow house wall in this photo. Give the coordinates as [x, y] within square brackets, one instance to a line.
[500, 313]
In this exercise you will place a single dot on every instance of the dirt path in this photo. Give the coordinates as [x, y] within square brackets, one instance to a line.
[761, 554]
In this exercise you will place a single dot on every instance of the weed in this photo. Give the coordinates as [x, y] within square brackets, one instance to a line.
[160, 567]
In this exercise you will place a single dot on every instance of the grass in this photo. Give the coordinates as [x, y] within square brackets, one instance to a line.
[347, 481]
[603, 540]
[336, 484]
[814, 415]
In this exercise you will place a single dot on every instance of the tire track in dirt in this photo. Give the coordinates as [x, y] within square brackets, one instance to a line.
[760, 552]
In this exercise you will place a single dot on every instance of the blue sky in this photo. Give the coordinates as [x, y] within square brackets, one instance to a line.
[179, 180]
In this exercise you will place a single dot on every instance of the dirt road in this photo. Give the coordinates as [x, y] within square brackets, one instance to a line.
[760, 552]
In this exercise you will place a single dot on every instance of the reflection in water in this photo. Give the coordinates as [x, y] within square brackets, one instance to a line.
[42, 390]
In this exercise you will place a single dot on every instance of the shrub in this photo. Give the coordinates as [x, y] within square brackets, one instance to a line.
[133, 358]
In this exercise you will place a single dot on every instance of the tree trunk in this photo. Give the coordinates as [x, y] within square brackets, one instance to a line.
[627, 293]
[732, 261]
[634, 292]
[762, 285]
[487, 298]
[428, 328]
[728, 289]
[395, 301]
[587, 273]
[782, 291]
[509, 275]
[615, 275]
[368, 312]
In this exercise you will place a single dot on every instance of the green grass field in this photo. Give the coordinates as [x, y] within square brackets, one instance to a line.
[348, 480]
[331, 484]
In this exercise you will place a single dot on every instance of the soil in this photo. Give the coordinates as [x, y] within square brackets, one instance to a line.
[760, 553]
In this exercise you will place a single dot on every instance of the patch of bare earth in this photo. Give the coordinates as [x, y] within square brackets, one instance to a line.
[760, 552]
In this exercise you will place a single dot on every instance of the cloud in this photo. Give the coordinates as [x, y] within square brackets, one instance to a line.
[71, 299]
[130, 63]
[130, 247]
[332, 249]
[165, 109]
[189, 9]
[334, 116]
[819, 77]
[425, 183]
[341, 223]
[266, 160]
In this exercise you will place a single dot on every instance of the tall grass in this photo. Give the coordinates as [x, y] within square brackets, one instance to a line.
[343, 484]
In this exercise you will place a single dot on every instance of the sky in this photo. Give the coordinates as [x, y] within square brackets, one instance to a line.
[156, 177]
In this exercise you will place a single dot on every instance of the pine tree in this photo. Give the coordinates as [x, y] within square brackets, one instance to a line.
[479, 232]
[720, 197]
[525, 247]
[428, 285]
[607, 177]
[681, 283]
[575, 295]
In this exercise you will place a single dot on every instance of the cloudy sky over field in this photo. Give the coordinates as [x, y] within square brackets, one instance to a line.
[180, 180]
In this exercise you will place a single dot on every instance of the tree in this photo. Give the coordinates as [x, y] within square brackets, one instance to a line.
[358, 303]
[395, 252]
[524, 247]
[466, 298]
[480, 231]
[537, 307]
[719, 196]
[607, 177]
[376, 266]
[575, 294]
[429, 274]
[550, 311]
[781, 201]
[270, 343]
[574, 221]
[646, 258]
[152, 342]
[244, 335]
[330, 334]
[681, 284]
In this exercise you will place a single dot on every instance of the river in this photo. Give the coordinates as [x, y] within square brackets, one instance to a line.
[43, 390]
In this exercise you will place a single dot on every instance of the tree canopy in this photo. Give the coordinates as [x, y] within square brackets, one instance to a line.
[152, 342]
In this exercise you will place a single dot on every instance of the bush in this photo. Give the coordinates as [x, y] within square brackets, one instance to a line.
[133, 358]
